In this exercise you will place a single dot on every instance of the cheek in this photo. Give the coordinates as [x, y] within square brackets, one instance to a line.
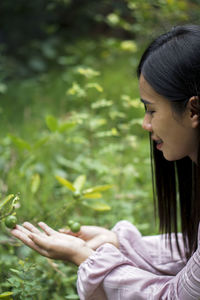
[164, 122]
[159, 124]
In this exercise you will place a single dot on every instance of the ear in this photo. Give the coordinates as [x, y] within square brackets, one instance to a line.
[194, 110]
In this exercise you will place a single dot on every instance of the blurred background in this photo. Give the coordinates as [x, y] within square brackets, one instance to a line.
[70, 109]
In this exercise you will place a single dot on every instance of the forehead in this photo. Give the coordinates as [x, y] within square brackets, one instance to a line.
[147, 93]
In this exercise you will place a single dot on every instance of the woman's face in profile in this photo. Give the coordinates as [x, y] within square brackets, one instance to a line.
[173, 134]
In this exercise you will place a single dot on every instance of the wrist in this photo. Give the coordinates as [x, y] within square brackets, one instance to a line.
[85, 253]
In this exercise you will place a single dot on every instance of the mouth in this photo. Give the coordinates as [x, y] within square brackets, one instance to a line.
[158, 143]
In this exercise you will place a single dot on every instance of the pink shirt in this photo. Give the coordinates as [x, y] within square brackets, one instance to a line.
[142, 268]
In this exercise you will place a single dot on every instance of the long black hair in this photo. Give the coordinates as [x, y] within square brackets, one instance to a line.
[171, 65]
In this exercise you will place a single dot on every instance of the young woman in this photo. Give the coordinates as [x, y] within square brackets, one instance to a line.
[121, 264]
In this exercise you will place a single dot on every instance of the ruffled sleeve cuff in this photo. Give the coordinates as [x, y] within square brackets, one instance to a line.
[128, 237]
[92, 272]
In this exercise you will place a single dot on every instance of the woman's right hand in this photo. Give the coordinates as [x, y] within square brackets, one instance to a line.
[94, 236]
[53, 244]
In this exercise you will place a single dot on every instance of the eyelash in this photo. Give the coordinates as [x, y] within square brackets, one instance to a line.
[149, 111]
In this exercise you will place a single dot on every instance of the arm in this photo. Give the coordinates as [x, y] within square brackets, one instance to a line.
[150, 253]
[155, 256]
[109, 271]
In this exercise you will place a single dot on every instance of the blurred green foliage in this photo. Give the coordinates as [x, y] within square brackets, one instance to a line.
[85, 120]
[37, 35]
[70, 109]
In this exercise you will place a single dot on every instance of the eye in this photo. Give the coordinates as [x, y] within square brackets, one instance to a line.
[148, 110]
[151, 112]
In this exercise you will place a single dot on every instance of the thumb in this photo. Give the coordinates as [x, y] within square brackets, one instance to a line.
[68, 231]
[97, 241]
[64, 230]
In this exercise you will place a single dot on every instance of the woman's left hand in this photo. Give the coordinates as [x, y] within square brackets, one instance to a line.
[94, 236]
[53, 244]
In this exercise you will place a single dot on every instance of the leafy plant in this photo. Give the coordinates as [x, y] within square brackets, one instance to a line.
[24, 281]
[85, 197]
[8, 205]
[82, 119]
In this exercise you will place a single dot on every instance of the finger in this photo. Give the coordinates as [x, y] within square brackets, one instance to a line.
[31, 228]
[40, 241]
[23, 236]
[39, 247]
[22, 229]
[69, 232]
[85, 233]
[27, 231]
[26, 239]
[48, 230]
[83, 230]
[65, 230]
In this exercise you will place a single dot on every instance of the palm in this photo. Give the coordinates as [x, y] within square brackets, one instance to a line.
[53, 244]
[65, 245]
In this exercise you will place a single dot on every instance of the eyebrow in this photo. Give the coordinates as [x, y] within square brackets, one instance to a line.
[145, 101]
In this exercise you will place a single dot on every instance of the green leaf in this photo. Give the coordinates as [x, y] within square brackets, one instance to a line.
[68, 163]
[92, 195]
[26, 164]
[97, 206]
[52, 123]
[66, 183]
[99, 188]
[15, 271]
[41, 142]
[129, 46]
[88, 72]
[35, 183]
[6, 200]
[6, 211]
[96, 86]
[20, 143]
[6, 295]
[72, 297]
[79, 182]
[76, 90]
[3, 88]
[66, 126]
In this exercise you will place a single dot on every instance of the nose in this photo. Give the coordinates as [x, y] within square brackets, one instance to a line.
[146, 125]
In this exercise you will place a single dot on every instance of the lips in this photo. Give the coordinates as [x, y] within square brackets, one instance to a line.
[158, 142]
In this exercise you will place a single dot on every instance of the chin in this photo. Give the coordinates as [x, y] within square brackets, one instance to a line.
[173, 157]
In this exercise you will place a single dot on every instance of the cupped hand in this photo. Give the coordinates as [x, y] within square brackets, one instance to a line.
[94, 236]
[53, 244]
